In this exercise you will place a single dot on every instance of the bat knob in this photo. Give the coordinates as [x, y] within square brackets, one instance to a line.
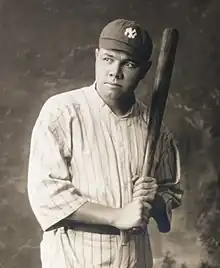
[137, 230]
[134, 231]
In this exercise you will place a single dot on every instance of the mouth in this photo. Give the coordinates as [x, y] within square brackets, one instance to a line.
[112, 85]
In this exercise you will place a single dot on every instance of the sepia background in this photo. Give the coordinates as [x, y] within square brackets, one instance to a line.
[47, 47]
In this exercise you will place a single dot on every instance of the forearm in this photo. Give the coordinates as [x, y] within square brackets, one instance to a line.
[93, 213]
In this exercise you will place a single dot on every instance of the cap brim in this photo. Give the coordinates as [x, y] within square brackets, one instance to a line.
[112, 44]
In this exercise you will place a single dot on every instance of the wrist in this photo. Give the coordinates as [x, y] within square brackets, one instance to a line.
[113, 217]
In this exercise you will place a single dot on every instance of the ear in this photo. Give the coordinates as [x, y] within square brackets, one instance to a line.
[145, 68]
[96, 52]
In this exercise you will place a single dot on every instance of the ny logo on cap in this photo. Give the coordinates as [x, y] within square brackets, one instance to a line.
[130, 33]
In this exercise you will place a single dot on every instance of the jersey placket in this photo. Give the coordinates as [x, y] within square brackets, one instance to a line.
[122, 161]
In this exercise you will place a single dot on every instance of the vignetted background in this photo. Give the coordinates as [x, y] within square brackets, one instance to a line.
[47, 47]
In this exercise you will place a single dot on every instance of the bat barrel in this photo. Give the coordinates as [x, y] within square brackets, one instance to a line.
[166, 58]
[160, 93]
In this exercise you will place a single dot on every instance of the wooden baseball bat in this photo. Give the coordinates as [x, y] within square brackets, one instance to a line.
[158, 102]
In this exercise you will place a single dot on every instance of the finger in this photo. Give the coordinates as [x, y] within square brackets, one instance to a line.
[142, 199]
[145, 185]
[140, 193]
[142, 203]
[147, 207]
[144, 224]
[145, 179]
[145, 218]
[149, 198]
[135, 178]
[146, 211]
[141, 224]
[144, 192]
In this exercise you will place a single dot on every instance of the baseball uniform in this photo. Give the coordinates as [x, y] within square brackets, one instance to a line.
[82, 152]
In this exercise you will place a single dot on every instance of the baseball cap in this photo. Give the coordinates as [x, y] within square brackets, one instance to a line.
[127, 36]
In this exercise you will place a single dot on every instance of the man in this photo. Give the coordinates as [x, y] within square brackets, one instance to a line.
[87, 153]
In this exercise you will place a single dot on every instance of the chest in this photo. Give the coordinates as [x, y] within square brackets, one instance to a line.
[102, 137]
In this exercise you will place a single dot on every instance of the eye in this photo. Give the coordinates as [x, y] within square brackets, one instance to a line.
[107, 59]
[131, 65]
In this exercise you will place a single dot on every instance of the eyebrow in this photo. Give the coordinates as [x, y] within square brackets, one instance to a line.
[108, 54]
[126, 59]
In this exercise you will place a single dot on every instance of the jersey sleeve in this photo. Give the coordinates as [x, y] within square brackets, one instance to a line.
[51, 193]
[167, 173]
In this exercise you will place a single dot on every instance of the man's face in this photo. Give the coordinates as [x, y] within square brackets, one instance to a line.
[117, 74]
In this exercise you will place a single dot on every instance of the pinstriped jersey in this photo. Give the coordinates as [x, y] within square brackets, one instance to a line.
[82, 152]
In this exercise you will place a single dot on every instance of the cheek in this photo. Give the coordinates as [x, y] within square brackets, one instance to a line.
[101, 72]
[133, 78]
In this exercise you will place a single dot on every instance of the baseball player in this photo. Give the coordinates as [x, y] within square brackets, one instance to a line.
[86, 157]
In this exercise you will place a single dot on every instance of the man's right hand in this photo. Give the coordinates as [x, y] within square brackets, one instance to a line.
[134, 214]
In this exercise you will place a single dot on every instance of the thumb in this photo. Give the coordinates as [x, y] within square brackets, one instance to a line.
[135, 178]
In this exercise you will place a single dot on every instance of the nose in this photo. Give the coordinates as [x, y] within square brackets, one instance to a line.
[116, 71]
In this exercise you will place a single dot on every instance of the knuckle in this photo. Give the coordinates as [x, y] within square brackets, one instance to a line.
[142, 179]
[140, 204]
[150, 198]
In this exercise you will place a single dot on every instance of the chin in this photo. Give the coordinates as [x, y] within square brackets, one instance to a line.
[112, 96]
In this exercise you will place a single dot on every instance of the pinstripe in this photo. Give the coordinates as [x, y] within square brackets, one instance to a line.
[105, 152]
[129, 250]
[127, 173]
[116, 148]
[83, 253]
[113, 164]
[121, 160]
[75, 167]
[111, 175]
[144, 260]
[135, 159]
[101, 251]
[92, 246]
[143, 141]
[88, 172]
[128, 161]
[95, 137]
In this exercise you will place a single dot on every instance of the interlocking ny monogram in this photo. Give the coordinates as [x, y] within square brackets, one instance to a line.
[130, 33]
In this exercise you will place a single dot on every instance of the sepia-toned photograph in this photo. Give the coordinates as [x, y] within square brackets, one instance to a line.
[109, 134]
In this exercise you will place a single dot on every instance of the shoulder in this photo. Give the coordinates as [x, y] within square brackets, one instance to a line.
[167, 143]
[165, 132]
[63, 104]
[142, 107]
[59, 111]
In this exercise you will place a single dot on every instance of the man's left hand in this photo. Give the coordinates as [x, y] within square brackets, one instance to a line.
[145, 188]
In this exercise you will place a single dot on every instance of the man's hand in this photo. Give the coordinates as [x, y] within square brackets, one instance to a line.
[132, 215]
[137, 212]
[145, 188]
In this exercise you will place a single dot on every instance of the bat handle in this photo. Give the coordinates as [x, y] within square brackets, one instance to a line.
[135, 231]
[124, 238]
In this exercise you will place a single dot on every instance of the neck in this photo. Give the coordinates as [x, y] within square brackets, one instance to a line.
[121, 106]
